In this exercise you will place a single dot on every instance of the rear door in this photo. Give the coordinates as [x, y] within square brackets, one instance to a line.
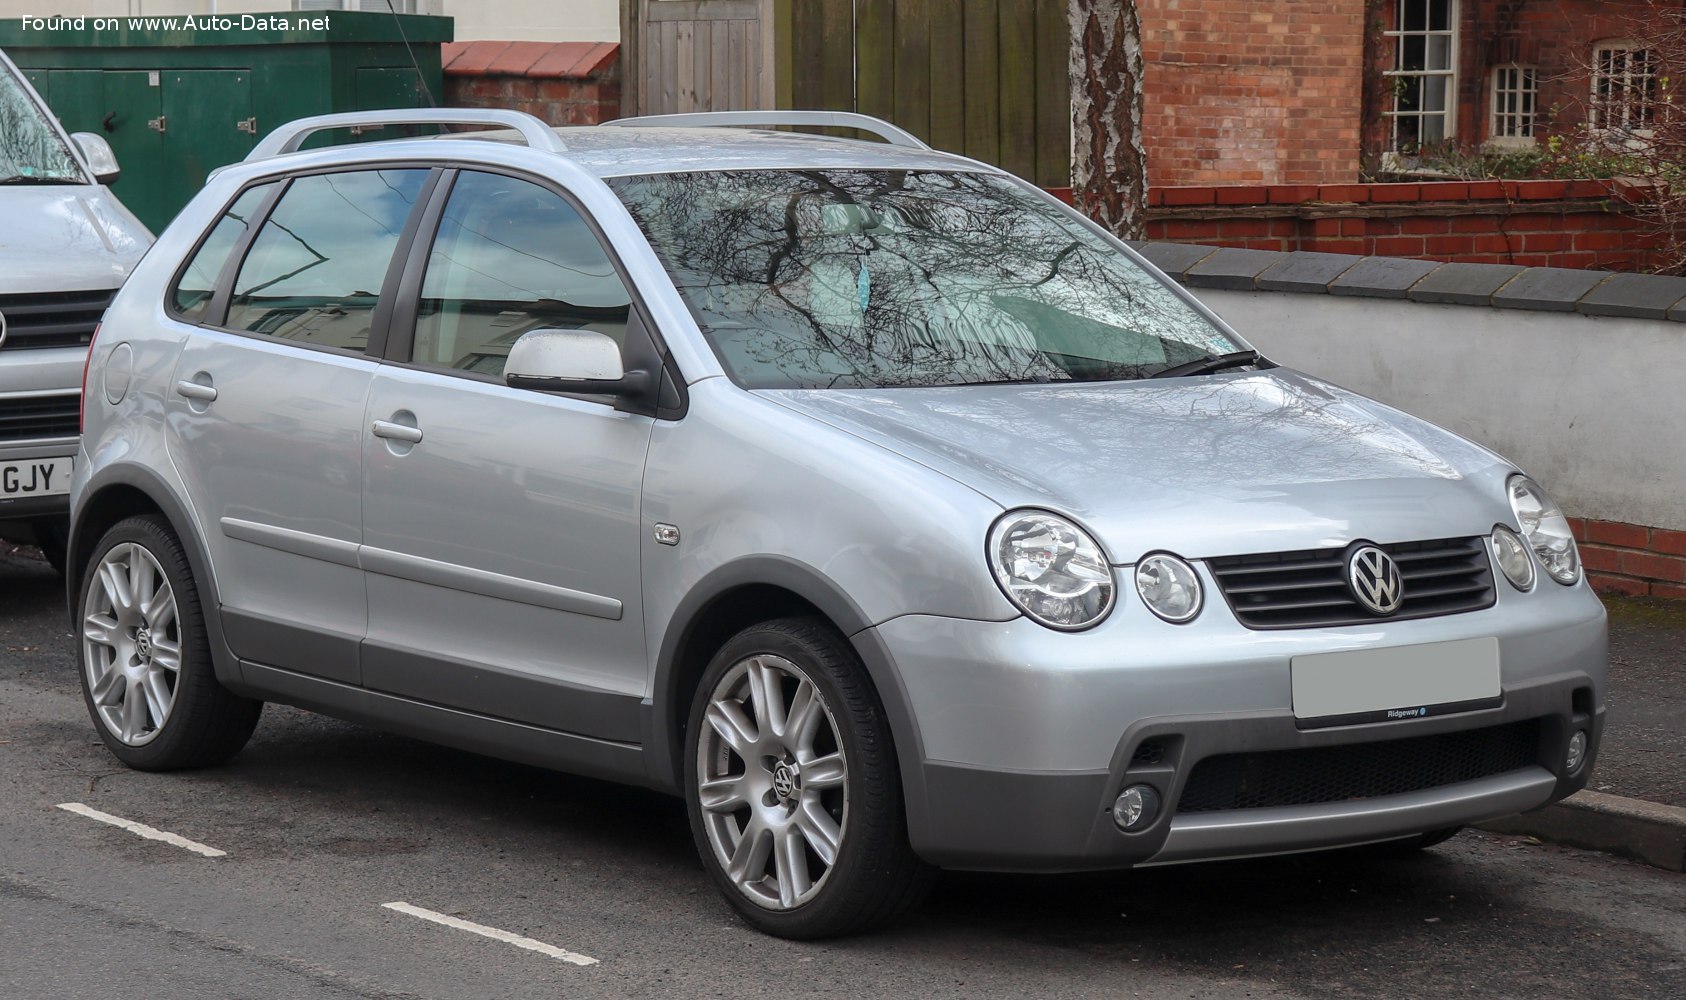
[265, 417]
[501, 526]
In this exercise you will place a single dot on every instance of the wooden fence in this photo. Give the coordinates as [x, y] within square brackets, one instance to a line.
[987, 78]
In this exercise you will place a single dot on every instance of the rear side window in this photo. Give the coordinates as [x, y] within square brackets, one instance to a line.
[315, 271]
[511, 257]
[192, 294]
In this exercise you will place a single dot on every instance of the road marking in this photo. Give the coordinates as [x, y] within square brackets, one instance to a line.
[492, 932]
[142, 830]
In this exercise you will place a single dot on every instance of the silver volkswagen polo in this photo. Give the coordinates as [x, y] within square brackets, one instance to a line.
[882, 507]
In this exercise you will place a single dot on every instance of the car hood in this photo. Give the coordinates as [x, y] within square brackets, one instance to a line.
[60, 238]
[1227, 464]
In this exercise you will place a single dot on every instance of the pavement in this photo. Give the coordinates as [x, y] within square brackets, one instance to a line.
[1635, 804]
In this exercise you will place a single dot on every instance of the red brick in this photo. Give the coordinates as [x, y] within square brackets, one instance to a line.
[1448, 245]
[1602, 241]
[1292, 194]
[1354, 227]
[1358, 193]
[1618, 585]
[1486, 191]
[1399, 246]
[473, 58]
[1589, 189]
[1155, 197]
[1628, 536]
[1188, 196]
[1549, 242]
[1475, 223]
[1671, 542]
[1599, 559]
[1394, 192]
[1445, 191]
[1541, 190]
[1577, 527]
[1235, 195]
[1243, 227]
[1653, 567]
[1672, 591]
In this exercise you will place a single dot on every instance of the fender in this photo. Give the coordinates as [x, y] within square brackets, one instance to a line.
[186, 527]
[664, 712]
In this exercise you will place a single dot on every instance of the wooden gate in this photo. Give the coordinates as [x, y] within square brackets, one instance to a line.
[697, 55]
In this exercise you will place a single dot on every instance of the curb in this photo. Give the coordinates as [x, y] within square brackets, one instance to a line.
[1633, 828]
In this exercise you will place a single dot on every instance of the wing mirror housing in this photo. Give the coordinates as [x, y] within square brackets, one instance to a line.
[581, 361]
[102, 162]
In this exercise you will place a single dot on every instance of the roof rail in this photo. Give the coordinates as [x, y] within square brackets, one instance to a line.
[290, 136]
[836, 119]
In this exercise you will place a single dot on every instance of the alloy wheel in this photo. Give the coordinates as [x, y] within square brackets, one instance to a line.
[131, 644]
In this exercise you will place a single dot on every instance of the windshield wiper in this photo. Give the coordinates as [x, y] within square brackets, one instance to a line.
[1211, 363]
[35, 179]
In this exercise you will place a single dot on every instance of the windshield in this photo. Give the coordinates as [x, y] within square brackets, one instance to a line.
[30, 148]
[867, 278]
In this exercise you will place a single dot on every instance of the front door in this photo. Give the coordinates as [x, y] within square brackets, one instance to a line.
[500, 526]
[265, 418]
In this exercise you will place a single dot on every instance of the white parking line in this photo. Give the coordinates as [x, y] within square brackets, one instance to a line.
[142, 830]
[493, 933]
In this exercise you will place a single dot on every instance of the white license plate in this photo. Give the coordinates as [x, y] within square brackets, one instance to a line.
[35, 477]
[1401, 681]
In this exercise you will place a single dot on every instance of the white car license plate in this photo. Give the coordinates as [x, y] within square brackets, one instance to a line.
[35, 477]
[1395, 681]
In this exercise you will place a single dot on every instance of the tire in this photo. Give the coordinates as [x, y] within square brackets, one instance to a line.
[771, 791]
[52, 537]
[145, 660]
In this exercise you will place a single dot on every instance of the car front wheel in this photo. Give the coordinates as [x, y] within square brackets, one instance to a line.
[792, 787]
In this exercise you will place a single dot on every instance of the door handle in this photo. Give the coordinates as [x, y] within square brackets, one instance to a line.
[196, 390]
[397, 432]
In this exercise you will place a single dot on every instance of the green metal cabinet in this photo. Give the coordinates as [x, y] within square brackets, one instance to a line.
[176, 104]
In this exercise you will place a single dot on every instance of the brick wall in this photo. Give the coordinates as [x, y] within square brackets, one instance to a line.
[1632, 558]
[1578, 224]
[1242, 92]
[562, 83]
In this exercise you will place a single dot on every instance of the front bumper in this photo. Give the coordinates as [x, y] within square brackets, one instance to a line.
[1022, 738]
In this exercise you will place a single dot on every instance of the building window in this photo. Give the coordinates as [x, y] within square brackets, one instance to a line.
[1516, 92]
[373, 6]
[1424, 77]
[1624, 86]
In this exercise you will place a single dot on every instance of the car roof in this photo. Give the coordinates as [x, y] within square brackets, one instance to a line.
[618, 151]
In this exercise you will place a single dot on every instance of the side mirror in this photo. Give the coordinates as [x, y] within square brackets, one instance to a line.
[571, 361]
[102, 162]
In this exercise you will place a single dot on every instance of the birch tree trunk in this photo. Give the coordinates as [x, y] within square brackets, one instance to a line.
[1108, 162]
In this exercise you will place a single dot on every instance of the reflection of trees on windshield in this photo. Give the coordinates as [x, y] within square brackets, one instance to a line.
[828, 278]
[29, 150]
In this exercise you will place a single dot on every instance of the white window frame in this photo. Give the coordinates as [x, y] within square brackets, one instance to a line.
[1512, 123]
[1398, 77]
[1638, 91]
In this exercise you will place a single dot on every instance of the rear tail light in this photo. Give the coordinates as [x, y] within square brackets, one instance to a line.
[82, 414]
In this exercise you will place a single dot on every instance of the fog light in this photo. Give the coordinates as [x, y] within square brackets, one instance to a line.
[1136, 807]
[1577, 753]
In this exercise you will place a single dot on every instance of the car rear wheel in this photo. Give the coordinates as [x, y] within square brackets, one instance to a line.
[147, 677]
[792, 788]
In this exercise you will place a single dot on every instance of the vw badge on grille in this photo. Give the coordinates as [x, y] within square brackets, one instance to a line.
[2, 329]
[1374, 579]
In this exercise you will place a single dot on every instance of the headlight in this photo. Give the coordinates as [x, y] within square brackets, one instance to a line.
[1051, 569]
[1545, 529]
[1512, 556]
[1169, 587]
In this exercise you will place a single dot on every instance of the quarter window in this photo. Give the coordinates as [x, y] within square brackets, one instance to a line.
[192, 294]
[511, 257]
[1624, 86]
[1516, 94]
[1424, 77]
[315, 271]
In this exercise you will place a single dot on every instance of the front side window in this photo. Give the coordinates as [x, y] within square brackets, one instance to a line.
[315, 271]
[31, 151]
[1424, 74]
[834, 278]
[1516, 93]
[511, 257]
[1624, 86]
[192, 294]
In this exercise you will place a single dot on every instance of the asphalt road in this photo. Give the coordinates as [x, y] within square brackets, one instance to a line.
[323, 823]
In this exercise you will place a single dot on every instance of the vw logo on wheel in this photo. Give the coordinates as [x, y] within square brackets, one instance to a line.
[1374, 578]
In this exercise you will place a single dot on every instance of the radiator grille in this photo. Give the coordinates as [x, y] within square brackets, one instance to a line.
[52, 319]
[1359, 770]
[31, 417]
[1308, 588]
